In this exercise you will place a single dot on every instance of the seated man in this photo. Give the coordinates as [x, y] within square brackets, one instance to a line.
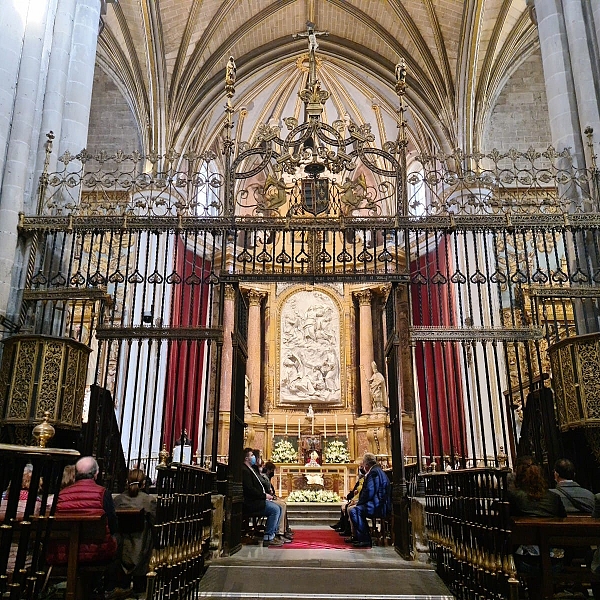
[284, 532]
[86, 497]
[576, 499]
[374, 500]
[257, 501]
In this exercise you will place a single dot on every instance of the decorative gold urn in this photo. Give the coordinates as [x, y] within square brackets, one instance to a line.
[43, 374]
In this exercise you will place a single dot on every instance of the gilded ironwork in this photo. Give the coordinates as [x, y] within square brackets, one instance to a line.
[472, 334]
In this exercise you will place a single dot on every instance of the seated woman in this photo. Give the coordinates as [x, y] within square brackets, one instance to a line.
[531, 497]
[137, 545]
[23, 497]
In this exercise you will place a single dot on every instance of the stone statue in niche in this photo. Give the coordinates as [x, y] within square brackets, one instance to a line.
[310, 349]
[378, 391]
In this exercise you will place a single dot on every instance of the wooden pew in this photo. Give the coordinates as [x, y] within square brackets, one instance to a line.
[572, 531]
[77, 529]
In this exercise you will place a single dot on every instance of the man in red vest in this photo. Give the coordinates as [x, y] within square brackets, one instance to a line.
[86, 497]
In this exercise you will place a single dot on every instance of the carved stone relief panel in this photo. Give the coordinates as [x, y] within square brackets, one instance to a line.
[309, 341]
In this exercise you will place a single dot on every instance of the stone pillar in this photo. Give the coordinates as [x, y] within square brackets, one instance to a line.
[366, 348]
[254, 362]
[563, 111]
[227, 351]
[80, 80]
[16, 178]
[46, 77]
[56, 88]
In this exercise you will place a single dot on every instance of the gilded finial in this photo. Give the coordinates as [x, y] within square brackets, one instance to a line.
[163, 455]
[43, 432]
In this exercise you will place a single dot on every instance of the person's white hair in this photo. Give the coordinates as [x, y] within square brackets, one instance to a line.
[86, 468]
[369, 459]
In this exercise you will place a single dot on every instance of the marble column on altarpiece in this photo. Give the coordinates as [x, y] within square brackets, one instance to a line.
[227, 351]
[366, 356]
[253, 364]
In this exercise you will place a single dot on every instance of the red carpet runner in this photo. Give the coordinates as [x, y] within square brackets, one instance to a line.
[321, 539]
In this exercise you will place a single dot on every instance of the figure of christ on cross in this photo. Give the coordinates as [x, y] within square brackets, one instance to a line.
[311, 34]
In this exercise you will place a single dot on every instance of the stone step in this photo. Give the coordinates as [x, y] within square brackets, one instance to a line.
[312, 513]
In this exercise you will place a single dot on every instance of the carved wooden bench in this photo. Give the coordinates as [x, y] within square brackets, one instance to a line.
[77, 529]
[572, 531]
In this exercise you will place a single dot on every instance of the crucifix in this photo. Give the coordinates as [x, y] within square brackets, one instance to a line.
[311, 34]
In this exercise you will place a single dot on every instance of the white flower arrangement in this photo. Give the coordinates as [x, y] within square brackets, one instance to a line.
[284, 452]
[313, 496]
[336, 452]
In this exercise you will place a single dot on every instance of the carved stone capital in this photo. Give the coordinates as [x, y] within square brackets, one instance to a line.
[364, 297]
[229, 292]
[255, 297]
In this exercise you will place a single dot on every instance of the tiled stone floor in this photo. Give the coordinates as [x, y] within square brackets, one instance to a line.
[372, 574]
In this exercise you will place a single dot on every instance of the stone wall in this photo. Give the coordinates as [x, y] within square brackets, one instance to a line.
[112, 123]
[520, 117]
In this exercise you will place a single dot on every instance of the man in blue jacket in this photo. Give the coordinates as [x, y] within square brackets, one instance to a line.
[374, 501]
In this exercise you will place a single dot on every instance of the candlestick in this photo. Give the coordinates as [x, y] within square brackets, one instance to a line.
[324, 427]
[298, 428]
[336, 426]
[273, 429]
[346, 427]
[286, 424]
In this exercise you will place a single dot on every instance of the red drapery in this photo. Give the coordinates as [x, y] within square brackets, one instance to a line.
[437, 365]
[185, 381]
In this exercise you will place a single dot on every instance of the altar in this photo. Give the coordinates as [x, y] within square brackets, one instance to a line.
[338, 478]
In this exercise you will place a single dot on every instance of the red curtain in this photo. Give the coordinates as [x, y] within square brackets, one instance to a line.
[186, 359]
[437, 366]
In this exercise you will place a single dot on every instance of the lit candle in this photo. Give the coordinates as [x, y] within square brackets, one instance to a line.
[273, 429]
[346, 427]
[298, 428]
[324, 427]
[286, 423]
[336, 427]
[312, 429]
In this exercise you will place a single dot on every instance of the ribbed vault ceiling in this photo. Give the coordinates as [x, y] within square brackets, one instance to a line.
[168, 57]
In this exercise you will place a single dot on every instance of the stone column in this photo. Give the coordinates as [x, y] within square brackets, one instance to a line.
[80, 80]
[253, 365]
[565, 125]
[16, 178]
[366, 348]
[227, 351]
[56, 87]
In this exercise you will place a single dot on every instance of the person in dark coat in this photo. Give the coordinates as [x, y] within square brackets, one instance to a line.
[257, 501]
[374, 500]
[576, 499]
[137, 545]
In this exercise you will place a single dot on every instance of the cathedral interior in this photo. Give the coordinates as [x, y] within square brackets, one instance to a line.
[316, 228]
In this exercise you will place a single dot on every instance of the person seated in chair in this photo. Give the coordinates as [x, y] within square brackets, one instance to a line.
[576, 499]
[343, 525]
[284, 531]
[86, 497]
[257, 501]
[137, 545]
[374, 500]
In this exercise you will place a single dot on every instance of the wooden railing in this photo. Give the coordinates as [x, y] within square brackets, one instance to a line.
[468, 524]
[25, 515]
[182, 531]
